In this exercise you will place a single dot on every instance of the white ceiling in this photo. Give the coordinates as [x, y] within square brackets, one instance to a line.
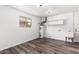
[46, 10]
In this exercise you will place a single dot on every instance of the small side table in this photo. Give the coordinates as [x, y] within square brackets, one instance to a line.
[69, 38]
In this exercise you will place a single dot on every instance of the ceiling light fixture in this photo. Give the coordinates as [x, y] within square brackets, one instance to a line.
[50, 12]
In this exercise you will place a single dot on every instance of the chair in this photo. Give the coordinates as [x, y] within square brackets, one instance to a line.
[69, 36]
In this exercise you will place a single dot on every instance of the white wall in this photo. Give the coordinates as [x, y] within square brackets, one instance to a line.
[10, 32]
[59, 31]
[76, 26]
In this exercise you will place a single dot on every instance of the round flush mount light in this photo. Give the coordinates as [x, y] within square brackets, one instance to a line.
[49, 12]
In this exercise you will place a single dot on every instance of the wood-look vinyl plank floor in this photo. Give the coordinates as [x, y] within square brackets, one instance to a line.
[43, 46]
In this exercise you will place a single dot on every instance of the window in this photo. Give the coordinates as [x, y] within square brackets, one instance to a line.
[25, 21]
[55, 22]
